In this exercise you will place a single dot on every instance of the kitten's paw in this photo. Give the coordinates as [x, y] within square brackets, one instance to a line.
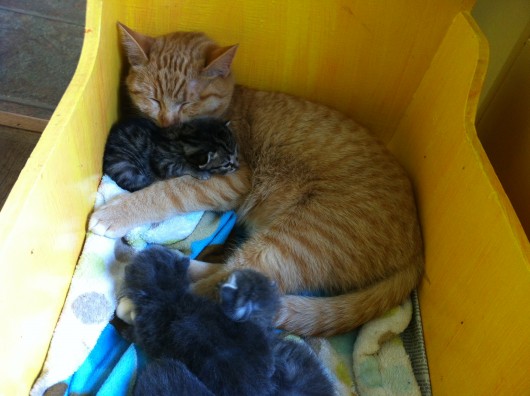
[126, 310]
[204, 175]
[111, 220]
[248, 292]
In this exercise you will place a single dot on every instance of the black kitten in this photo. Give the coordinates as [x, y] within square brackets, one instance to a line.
[169, 377]
[230, 347]
[138, 152]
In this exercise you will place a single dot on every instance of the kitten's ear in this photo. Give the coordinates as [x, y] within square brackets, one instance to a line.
[137, 46]
[197, 156]
[231, 283]
[210, 158]
[218, 61]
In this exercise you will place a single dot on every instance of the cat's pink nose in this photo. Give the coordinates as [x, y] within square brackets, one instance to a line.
[164, 123]
[167, 118]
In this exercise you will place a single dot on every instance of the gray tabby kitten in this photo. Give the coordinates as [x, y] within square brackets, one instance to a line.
[138, 152]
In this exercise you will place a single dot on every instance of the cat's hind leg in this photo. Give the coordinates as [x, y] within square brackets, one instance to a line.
[129, 176]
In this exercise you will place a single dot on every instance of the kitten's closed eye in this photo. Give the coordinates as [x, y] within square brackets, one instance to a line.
[233, 164]
[212, 164]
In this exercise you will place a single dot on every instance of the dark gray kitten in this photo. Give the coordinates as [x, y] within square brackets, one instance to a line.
[199, 347]
[138, 152]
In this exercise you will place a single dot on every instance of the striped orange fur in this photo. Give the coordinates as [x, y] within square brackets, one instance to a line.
[327, 206]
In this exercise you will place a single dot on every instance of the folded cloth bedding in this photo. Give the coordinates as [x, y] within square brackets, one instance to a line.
[88, 355]
[91, 300]
[380, 364]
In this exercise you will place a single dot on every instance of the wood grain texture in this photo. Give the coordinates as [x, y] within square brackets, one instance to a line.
[477, 284]
[15, 147]
[505, 132]
[39, 54]
[42, 223]
[357, 56]
[21, 121]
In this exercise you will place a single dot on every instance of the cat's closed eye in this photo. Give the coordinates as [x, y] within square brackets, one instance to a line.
[182, 104]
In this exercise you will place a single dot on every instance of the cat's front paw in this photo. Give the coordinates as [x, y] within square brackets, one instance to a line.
[112, 220]
[247, 293]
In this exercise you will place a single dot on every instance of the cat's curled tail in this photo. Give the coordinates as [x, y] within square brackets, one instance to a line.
[327, 316]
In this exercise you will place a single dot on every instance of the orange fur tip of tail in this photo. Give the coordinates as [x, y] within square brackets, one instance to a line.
[328, 316]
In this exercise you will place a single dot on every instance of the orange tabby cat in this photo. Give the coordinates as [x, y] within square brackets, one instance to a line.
[327, 206]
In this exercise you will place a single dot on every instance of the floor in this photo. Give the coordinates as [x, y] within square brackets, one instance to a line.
[40, 44]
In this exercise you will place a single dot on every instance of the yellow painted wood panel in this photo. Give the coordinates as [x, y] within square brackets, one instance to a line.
[505, 132]
[364, 58]
[476, 288]
[43, 222]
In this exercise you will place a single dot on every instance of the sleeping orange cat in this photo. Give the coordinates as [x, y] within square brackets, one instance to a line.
[326, 205]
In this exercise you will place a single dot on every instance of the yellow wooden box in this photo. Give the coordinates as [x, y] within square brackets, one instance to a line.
[411, 70]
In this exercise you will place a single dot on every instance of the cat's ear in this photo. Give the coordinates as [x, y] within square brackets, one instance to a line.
[218, 62]
[137, 46]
